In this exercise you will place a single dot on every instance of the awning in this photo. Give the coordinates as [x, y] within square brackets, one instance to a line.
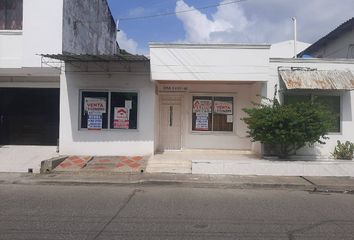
[317, 79]
[97, 58]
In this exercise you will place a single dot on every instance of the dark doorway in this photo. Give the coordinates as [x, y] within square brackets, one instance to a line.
[29, 116]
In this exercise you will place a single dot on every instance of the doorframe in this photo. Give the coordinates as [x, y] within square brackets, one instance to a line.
[181, 97]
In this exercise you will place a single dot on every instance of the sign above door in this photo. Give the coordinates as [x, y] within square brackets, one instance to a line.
[172, 88]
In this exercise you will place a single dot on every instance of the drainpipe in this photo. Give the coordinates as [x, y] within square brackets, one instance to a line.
[295, 37]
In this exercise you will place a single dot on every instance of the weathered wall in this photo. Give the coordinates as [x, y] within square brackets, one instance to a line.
[88, 27]
[341, 47]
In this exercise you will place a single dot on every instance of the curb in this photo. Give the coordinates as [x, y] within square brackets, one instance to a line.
[137, 180]
[47, 166]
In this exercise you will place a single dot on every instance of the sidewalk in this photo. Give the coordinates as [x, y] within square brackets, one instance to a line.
[335, 184]
[22, 158]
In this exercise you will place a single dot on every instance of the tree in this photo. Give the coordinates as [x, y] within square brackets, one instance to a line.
[287, 128]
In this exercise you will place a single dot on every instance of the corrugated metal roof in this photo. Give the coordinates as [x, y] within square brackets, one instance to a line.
[318, 79]
[97, 58]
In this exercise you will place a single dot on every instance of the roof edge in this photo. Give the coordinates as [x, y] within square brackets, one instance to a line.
[312, 60]
[210, 45]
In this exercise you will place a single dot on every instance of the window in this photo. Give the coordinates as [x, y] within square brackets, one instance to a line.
[94, 114]
[11, 14]
[212, 114]
[108, 110]
[124, 110]
[331, 102]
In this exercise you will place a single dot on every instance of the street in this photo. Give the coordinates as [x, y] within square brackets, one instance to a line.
[171, 212]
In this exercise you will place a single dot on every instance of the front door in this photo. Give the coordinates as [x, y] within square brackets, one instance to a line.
[170, 122]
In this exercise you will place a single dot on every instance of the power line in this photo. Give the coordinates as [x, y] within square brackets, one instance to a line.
[177, 12]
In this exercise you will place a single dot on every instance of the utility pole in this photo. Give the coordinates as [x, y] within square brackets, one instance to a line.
[295, 37]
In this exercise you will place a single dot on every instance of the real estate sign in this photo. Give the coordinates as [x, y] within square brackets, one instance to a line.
[202, 106]
[221, 107]
[121, 118]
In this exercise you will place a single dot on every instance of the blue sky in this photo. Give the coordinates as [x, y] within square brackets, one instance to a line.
[251, 21]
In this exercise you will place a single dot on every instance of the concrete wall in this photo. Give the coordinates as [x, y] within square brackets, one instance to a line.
[107, 142]
[347, 100]
[209, 62]
[341, 47]
[286, 49]
[41, 33]
[29, 82]
[42, 30]
[10, 49]
[88, 27]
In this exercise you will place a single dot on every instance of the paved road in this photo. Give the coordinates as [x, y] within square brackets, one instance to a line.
[170, 212]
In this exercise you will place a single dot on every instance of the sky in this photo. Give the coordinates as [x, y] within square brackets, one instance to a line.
[248, 21]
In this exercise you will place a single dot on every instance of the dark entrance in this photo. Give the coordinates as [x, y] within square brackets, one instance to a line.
[29, 116]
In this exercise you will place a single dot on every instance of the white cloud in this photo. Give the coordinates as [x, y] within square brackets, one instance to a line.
[126, 43]
[260, 21]
[197, 25]
[199, 28]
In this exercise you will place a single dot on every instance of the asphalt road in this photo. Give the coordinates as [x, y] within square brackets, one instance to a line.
[168, 212]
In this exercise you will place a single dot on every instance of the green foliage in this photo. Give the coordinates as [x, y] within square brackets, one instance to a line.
[288, 127]
[344, 150]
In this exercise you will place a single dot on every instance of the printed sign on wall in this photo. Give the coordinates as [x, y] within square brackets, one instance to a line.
[202, 106]
[221, 107]
[121, 118]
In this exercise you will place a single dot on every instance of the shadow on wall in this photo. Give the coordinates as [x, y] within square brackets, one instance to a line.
[327, 149]
[346, 107]
[310, 151]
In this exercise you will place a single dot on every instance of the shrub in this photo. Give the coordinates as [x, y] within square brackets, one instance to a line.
[344, 150]
[288, 127]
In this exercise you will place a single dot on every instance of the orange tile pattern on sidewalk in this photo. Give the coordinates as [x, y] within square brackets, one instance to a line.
[73, 163]
[117, 164]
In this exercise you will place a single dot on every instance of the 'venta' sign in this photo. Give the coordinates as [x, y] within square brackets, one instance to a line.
[95, 105]
[202, 106]
[222, 107]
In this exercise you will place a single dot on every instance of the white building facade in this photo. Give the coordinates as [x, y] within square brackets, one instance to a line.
[203, 89]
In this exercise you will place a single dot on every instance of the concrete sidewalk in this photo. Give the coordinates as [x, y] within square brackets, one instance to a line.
[21, 158]
[337, 184]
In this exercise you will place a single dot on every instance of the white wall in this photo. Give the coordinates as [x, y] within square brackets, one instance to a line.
[209, 62]
[347, 100]
[10, 49]
[41, 33]
[106, 142]
[42, 30]
[286, 49]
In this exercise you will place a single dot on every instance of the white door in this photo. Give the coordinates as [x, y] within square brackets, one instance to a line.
[170, 122]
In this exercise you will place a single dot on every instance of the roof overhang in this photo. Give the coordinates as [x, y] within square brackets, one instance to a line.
[317, 79]
[97, 58]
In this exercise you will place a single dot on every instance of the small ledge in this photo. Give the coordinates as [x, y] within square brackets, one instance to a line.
[11, 32]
